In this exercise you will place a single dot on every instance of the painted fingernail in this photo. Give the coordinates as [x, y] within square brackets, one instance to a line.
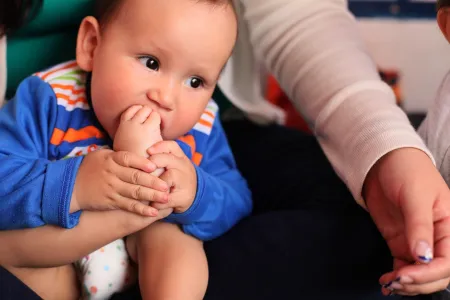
[389, 284]
[396, 286]
[424, 252]
[406, 280]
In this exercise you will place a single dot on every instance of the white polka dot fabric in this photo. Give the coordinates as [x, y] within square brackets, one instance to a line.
[106, 271]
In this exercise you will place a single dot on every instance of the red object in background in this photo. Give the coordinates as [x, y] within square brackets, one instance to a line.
[276, 96]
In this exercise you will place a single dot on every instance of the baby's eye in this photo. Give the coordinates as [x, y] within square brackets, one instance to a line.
[150, 62]
[194, 82]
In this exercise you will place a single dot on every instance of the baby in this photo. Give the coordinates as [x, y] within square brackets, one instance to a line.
[142, 82]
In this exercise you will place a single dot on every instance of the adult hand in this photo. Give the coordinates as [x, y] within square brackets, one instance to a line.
[410, 204]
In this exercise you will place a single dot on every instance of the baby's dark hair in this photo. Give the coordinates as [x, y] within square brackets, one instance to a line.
[442, 3]
[105, 9]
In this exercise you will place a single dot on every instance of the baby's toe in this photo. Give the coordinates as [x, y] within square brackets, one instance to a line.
[130, 112]
[142, 115]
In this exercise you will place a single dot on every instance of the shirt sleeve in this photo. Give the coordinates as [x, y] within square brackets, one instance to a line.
[223, 197]
[34, 190]
[435, 129]
[314, 50]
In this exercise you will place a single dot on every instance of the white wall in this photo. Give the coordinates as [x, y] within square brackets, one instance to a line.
[417, 48]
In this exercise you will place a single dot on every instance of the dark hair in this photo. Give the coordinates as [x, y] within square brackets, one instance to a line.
[105, 9]
[442, 3]
[15, 13]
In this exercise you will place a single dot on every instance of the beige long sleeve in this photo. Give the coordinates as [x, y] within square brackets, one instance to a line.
[314, 49]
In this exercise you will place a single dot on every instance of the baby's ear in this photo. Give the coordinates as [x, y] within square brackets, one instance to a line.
[443, 20]
[87, 41]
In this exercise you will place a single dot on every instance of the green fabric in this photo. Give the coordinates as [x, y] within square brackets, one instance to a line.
[26, 56]
[49, 39]
[57, 15]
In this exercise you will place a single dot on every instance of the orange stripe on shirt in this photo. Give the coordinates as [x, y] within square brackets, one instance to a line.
[67, 66]
[205, 123]
[209, 114]
[190, 141]
[70, 101]
[69, 88]
[197, 158]
[72, 135]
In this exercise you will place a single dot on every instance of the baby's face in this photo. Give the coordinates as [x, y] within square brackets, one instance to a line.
[166, 54]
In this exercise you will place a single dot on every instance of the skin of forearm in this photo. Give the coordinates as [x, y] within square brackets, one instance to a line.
[51, 246]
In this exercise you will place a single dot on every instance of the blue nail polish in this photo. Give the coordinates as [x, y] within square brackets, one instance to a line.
[425, 259]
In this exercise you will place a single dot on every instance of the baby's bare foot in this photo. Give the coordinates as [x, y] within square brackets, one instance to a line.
[139, 129]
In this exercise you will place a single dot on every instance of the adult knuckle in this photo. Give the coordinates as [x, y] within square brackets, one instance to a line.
[132, 206]
[125, 158]
[151, 195]
[152, 181]
[135, 176]
[137, 192]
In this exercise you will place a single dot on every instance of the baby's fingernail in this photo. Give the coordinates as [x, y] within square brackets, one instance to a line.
[406, 280]
[424, 252]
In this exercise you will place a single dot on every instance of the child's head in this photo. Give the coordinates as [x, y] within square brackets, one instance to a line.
[443, 17]
[167, 54]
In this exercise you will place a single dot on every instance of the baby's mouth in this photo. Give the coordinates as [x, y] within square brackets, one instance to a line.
[161, 126]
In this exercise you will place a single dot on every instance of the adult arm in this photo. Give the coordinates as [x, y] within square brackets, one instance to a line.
[314, 50]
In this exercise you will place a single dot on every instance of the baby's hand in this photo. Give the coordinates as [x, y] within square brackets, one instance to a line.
[108, 180]
[139, 129]
[180, 175]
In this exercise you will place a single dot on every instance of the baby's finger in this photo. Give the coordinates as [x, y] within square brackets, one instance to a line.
[166, 147]
[142, 115]
[165, 213]
[167, 161]
[140, 193]
[139, 178]
[130, 160]
[161, 206]
[136, 207]
[130, 112]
